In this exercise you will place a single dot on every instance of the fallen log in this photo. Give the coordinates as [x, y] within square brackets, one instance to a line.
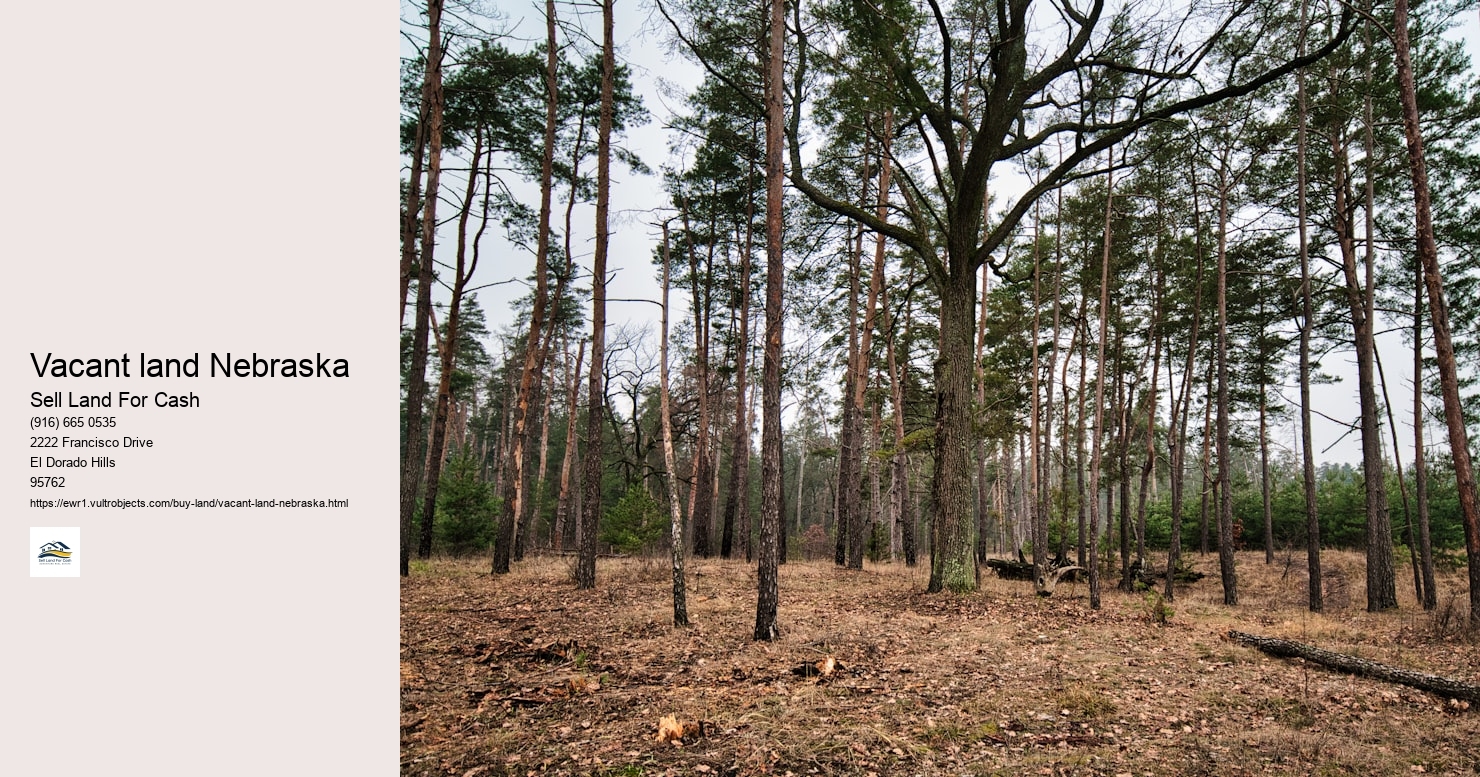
[1284, 648]
[1011, 570]
[1022, 569]
[1058, 570]
[1008, 569]
[1151, 578]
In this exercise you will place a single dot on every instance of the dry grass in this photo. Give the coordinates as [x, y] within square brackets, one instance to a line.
[523, 675]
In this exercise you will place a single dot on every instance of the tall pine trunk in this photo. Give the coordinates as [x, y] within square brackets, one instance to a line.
[1082, 530]
[850, 454]
[900, 466]
[1036, 487]
[563, 497]
[675, 512]
[1420, 475]
[1125, 388]
[1264, 482]
[412, 442]
[1381, 587]
[1438, 311]
[737, 498]
[591, 507]
[701, 517]
[1226, 569]
[1046, 498]
[767, 593]
[1381, 575]
[1099, 429]
[1148, 467]
[1209, 482]
[1307, 325]
[515, 505]
[1067, 462]
[442, 404]
[411, 206]
[865, 345]
[982, 451]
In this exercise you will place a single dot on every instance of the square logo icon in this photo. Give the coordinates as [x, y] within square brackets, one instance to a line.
[55, 551]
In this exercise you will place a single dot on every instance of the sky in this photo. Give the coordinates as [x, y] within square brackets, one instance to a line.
[657, 76]
[661, 76]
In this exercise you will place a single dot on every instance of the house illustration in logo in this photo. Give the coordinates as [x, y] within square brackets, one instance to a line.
[57, 550]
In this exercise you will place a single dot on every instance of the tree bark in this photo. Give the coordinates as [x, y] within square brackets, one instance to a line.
[767, 593]
[412, 451]
[1381, 574]
[1177, 426]
[591, 507]
[1046, 498]
[1420, 474]
[1148, 468]
[899, 467]
[1264, 484]
[1226, 568]
[1408, 531]
[1125, 388]
[1066, 460]
[1307, 324]
[876, 292]
[951, 563]
[1038, 515]
[562, 500]
[850, 455]
[983, 455]
[1082, 535]
[1095, 441]
[675, 512]
[876, 503]
[412, 206]
[859, 540]
[737, 499]
[1209, 482]
[1381, 587]
[1428, 255]
[701, 518]
[517, 493]
[442, 404]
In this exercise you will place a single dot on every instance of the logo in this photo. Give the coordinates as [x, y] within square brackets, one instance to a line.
[57, 552]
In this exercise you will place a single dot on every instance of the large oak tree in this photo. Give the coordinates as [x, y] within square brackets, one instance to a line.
[1040, 71]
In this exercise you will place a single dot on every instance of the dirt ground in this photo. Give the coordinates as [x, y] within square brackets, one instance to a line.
[524, 675]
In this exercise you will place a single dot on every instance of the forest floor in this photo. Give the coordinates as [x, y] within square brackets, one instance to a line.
[524, 675]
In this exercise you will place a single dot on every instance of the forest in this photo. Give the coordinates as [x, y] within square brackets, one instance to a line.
[934, 297]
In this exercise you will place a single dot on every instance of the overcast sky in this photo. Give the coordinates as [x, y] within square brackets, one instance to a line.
[661, 77]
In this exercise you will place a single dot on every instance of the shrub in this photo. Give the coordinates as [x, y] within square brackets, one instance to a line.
[466, 507]
[1155, 608]
[635, 523]
[816, 543]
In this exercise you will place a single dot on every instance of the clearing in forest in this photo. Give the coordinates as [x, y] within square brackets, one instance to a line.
[523, 675]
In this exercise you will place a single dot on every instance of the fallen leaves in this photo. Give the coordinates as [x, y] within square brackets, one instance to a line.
[911, 683]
